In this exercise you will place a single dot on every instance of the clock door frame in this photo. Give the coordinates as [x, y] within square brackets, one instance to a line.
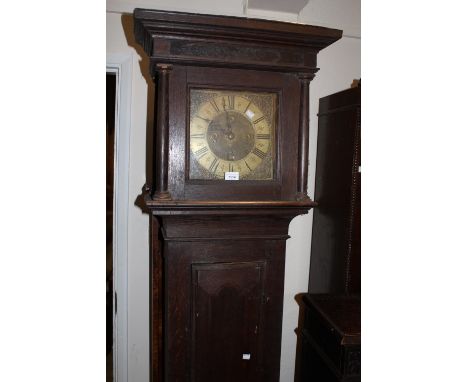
[227, 312]
[286, 87]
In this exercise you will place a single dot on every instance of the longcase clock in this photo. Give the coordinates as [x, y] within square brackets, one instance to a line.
[230, 158]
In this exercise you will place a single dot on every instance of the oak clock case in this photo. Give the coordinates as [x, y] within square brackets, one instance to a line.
[232, 96]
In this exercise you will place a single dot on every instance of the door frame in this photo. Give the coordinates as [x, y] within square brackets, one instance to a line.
[121, 65]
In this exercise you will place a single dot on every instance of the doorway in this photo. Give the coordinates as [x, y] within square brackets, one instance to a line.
[118, 126]
[111, 84]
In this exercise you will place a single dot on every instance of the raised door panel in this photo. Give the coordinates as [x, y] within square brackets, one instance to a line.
[226, 319]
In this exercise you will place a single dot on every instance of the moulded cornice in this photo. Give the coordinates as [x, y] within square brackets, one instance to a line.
[237, 28]
[237, 42]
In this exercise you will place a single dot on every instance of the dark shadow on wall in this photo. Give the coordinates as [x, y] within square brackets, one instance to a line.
[127, 25]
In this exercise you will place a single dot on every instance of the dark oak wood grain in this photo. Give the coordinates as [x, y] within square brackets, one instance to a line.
[331, 338]
[336, 234]
[227, 302]
[230, 42]
[303, 143]
[218, 247]
[156, 303]
[161, 138]
[183, 256]
[288, 89]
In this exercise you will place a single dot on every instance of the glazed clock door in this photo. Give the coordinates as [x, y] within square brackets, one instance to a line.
[236, 121]
[227, 313]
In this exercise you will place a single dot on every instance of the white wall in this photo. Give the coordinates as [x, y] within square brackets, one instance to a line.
[339, 63]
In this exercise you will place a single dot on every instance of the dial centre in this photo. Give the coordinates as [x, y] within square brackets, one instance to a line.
[233, 133]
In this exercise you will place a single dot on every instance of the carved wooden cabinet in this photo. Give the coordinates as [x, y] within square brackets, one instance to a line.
[331, 338]
[336, 234]
[232, 102]
[331, 332]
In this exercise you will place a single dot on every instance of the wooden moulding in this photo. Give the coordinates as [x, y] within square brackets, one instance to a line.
[208, 40]
[195, 207]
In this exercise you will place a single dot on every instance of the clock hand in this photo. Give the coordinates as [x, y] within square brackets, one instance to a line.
[227, 116]
[205, 119]
[229, 134]
[217, 127]
[228, 123]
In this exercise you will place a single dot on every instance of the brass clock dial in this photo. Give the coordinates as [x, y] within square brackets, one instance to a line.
[232, 131]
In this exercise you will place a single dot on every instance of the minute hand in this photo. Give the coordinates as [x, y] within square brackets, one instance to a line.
[228, 123]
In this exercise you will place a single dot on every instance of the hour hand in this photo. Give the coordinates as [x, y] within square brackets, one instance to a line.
[216, 127]
[228, 123]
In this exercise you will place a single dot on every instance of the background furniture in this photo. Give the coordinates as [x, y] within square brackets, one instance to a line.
[335, 264]
[331, 346]
[330, 333]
